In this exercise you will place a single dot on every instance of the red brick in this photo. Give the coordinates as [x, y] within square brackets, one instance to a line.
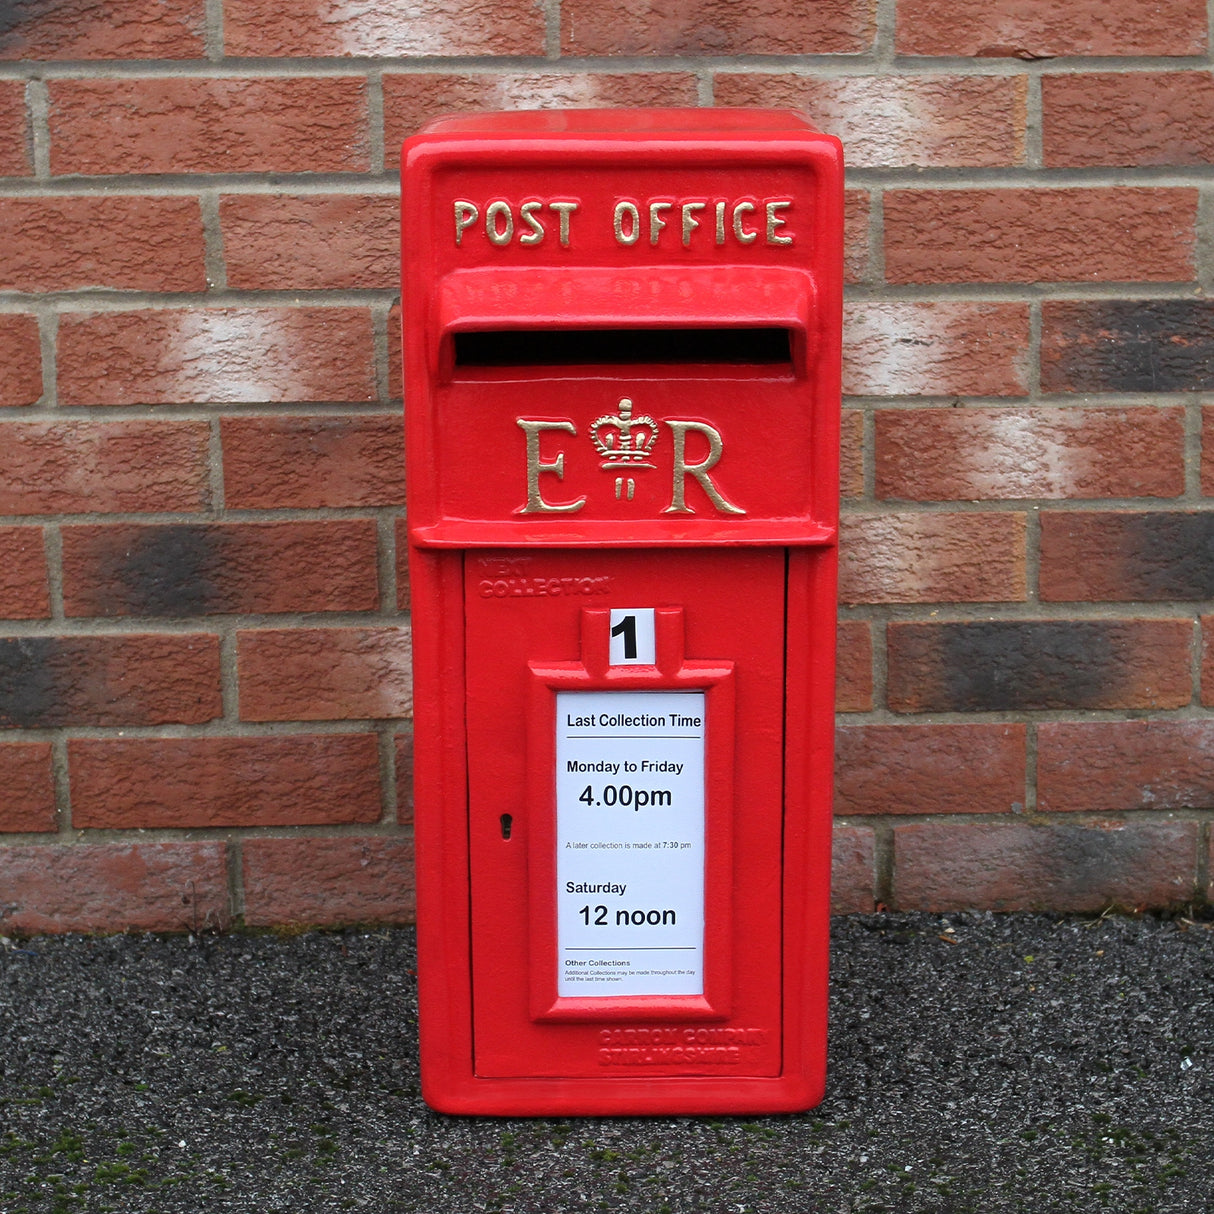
[1207, 451]
[1043, 29]
[1207, 659]
[851, 454]
[388, 30]
[298, 462]
[27, 802]
[404, 779]
[128, 243]
[188, 569]
[1039, 235]
[193, 124]
[16, 145]
[24, 586]
[133, 679]
[20, 359]
[1121, 556]
[413, 99]
[102, 467]
[402, 564]
[328, 882]
[1005, 866]
[115, 887]
[932, 558]
[321, 674]
[929, 769]
[1127, 345]
[1117, 765]
[171, 355]
[395, 365]
[854, 667]
[313, 242]
[853, 864]
[696, 27]
[1024, 665]
[935, 348]
[301, 780]
[891, 121]
[1127, 118]
[856, 208]
[983, 454]
[85, 29]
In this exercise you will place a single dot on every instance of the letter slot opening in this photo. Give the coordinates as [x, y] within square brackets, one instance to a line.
[573, 347]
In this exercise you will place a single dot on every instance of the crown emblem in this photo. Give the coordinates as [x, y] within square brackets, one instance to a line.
[622, 440]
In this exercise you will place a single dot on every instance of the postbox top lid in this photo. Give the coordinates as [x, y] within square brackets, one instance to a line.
[611, 123]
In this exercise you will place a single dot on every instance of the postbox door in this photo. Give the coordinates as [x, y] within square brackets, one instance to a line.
[700, 910]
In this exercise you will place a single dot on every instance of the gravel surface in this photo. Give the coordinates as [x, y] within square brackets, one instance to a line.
[978, 1062]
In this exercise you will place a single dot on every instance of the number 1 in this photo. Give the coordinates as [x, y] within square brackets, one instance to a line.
[627, 627]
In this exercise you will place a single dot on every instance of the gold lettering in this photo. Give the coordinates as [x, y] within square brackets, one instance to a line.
[634, 223]
[682, 469]
[656, 222]
[499, 236]
[776, 221]
[720, 223]
[535, 499]
[690, 222]
[466, 215]
[564, 210]
[744, 237]
[536, 235]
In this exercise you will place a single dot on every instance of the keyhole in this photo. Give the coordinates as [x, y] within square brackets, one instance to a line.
[507, 825]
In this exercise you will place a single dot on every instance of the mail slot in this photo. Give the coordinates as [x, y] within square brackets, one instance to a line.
[621, 338]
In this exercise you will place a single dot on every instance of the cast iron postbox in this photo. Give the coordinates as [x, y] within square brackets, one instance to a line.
[621, 335]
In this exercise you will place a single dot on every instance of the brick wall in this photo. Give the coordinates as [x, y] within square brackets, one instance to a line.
[204, 657]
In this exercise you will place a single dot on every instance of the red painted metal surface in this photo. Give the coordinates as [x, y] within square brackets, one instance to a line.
[621, 335]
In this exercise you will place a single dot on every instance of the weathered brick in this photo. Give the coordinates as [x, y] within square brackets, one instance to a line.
[24, 584]
[1040, 235]
[401, 538]
[413, 99]
[185, 569]
[326, 883]
[302, 780]
[102, 467]
[112, 29]
[27, 788]
[854, 667]
[853, 864]
[1104, 766]
[168, 124]
[851, 454]
[985, 454]
[1127, 118]
[891, 121]
[321, 674]
[1022, 665]
[1126, 557]
[115, 887]
[169, 355]
[389, 29]
[121, 242]
[395, 363]
[1128, 345]
[20, 359]
[929, 769]
[16, 144]
[696, 27]
[1207, 451]
[932, 558]
[1207, 659]
[935, 348]
[1043, 29]
[1004, 866]
[404, 779]
[309, 462]
[313, 242]
[152, 679]
[856, 210]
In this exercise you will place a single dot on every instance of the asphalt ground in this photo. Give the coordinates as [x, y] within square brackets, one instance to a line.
[977, 1063]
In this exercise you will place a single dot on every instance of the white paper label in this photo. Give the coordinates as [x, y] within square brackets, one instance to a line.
[630, 842]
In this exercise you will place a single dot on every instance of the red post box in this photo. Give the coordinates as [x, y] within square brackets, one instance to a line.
[621, 335]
